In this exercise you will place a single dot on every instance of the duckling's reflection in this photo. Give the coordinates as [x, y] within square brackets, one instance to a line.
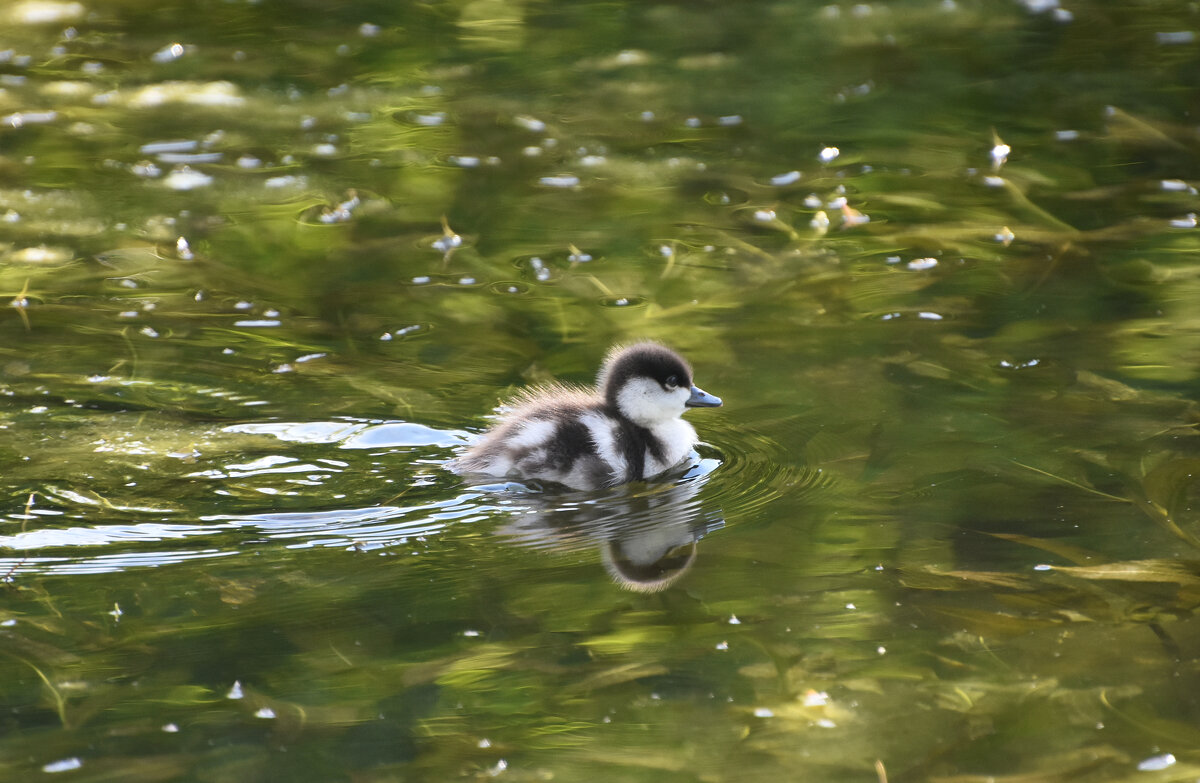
[647, 533]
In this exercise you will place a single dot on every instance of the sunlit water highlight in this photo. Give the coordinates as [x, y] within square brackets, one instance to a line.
[633, 529]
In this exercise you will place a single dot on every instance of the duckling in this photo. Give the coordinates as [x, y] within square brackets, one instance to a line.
[625, 429]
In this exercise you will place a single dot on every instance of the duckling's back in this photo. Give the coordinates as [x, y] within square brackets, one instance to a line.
[558, 433]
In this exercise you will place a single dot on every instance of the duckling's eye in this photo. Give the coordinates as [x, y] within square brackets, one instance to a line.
[672, 382]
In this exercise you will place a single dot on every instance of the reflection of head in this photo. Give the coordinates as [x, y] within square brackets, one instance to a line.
[634, 573]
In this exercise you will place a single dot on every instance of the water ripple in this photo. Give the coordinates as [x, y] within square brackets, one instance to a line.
[646, 533]
[758, 468]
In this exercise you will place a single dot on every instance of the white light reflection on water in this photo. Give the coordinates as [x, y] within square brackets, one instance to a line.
[104, 535]
[355, 434]
[360, 528]
[103, 564]
[646, 535]
[36, 12]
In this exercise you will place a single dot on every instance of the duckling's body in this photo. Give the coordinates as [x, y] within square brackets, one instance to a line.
[627, 428]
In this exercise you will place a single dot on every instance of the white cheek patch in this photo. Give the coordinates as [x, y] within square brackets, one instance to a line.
[681, 395]
[647, 403]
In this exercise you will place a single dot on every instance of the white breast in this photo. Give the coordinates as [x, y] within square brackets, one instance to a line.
[677, 438]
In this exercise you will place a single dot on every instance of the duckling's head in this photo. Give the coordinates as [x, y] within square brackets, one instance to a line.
[650, 384]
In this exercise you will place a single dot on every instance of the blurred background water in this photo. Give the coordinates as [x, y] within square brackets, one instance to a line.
[268, 263]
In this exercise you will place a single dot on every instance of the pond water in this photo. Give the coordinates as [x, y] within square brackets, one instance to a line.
[268, 265]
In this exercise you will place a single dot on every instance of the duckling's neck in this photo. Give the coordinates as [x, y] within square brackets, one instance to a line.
[637, 444]
[650, 449]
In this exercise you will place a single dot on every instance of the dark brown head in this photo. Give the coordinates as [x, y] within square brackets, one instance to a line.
[649, 383]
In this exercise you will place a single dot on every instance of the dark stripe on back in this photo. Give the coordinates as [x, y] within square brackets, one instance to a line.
[572, 440]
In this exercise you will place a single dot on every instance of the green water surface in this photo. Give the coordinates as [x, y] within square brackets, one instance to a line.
[266, 265]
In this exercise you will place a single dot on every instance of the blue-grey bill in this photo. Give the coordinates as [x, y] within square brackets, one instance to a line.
[702, 399]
